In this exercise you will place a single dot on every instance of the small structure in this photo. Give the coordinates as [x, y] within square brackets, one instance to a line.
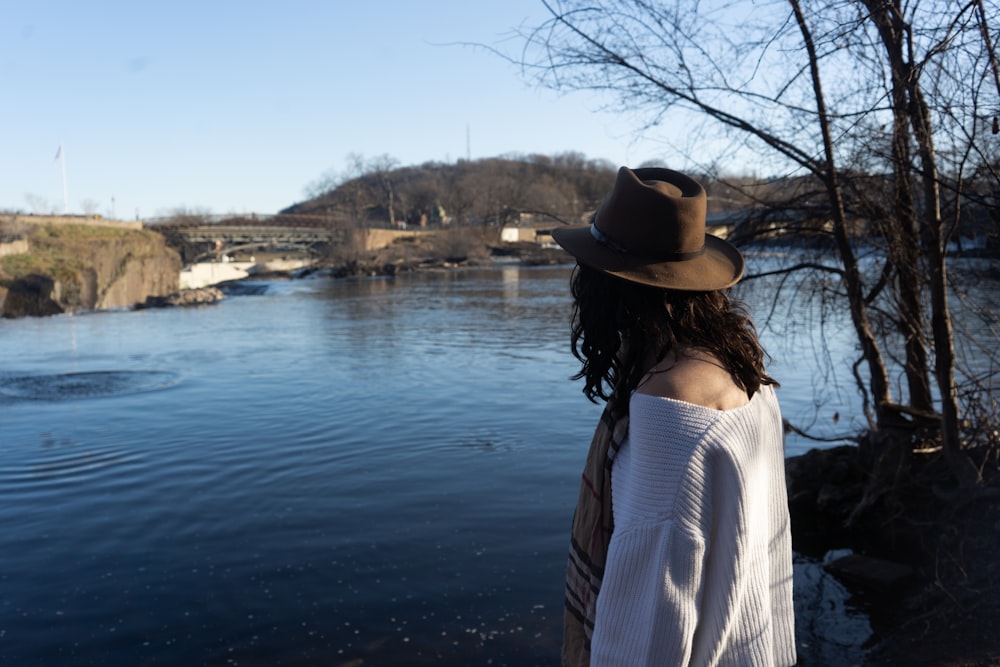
[511, 234]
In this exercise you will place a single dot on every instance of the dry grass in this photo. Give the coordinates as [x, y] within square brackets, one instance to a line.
[62, 251]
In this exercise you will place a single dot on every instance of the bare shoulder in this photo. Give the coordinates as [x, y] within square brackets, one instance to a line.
[695, 377]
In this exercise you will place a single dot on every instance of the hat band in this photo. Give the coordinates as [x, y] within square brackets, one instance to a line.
[610, 243]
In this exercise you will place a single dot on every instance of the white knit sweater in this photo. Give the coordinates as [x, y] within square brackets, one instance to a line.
[699, 568]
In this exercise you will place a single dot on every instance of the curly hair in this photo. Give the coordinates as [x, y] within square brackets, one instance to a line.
[619, 325]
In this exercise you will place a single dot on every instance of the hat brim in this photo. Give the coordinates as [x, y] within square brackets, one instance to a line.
[721, 265]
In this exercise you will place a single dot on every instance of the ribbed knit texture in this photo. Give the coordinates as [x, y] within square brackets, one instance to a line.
[699, 568]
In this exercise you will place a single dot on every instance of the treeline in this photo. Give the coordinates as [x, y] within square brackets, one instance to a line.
[799, 206]
[492, 191]
[563, 188]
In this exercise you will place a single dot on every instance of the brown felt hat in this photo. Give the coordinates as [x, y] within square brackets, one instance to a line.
[651, 230]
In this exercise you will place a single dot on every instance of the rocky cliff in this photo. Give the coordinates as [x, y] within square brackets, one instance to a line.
[80, 267]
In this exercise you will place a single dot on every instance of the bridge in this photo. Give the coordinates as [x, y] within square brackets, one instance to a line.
[198, 238]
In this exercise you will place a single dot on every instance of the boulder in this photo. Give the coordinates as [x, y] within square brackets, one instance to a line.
[32, 295]
[187, 297]
[824, 488]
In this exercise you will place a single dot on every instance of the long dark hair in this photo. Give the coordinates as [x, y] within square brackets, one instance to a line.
[618, 326]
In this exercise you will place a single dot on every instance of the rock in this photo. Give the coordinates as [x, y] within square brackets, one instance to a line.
[872, 573]
[824, 487]
[187, 297]
[32, 295]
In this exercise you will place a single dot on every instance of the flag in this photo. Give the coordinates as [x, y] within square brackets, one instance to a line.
[58, 155]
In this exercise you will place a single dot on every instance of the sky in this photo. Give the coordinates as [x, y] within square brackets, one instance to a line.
[239, 107]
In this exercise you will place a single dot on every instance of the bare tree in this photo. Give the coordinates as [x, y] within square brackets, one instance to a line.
[914, 125]
[382, 167]
[369, 183]
[187, 214]
[803, 84]
[39, 205]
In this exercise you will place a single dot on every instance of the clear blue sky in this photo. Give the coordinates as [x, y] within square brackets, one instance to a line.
[240, 106]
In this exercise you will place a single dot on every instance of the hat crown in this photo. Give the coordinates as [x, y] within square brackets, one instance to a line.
[654, 213]
[650, 230]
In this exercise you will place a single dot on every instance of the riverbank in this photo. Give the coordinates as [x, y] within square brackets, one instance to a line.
[926, 556]
[443, 250]
[948, 615]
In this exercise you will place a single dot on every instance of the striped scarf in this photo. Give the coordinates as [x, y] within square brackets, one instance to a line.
[592, 526]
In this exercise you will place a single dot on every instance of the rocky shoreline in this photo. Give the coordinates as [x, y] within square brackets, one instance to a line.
[403, 258]
[189, 297]
[924, 563]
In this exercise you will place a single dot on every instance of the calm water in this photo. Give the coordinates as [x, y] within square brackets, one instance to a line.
[376, 472]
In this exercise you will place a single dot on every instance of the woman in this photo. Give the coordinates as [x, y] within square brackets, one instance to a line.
[681, 551]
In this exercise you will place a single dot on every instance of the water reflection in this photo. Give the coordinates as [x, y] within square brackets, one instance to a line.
[829, 628]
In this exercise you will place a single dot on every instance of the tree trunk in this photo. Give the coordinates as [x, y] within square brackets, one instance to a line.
[961, 466]
[903, 241]
[908, 104]
[879, 381]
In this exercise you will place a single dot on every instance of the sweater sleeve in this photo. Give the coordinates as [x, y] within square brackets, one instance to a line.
[647, 611]
[648, 606]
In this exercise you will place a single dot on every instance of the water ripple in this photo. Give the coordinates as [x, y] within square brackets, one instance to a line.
[90, 384]
[65, 465]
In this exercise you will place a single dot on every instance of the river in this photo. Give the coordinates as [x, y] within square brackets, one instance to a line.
[321, 472]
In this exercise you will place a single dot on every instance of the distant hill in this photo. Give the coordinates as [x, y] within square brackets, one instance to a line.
[559, 189]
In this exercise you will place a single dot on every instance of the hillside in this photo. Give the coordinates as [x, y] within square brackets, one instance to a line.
[494, 191]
